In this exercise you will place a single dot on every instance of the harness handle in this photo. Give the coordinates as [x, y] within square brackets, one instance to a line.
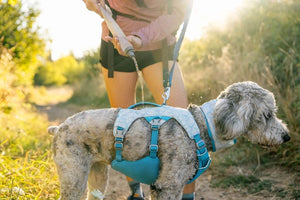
[143, 104]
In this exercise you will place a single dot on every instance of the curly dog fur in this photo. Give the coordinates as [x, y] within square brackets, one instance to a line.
[83, 145]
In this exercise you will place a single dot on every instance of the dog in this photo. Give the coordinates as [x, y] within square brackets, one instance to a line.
[83, 145]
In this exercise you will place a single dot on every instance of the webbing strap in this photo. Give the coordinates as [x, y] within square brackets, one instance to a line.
[165, 56]
[156, 122]
[110, 49]
[110, 59]
[165, 63]
[154, 137]
[167, 81]
[179, 42]
[202, 155]
[119, 145]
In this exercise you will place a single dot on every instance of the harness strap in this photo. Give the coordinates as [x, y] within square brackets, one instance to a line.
[110, 48]
[165, 62]
[154, 137]
[110, 59]
[155, 122]
[164, 47]
[167, 82]
[203, 157]
[119, 144]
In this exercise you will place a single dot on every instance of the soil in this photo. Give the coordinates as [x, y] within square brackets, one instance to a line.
[118, 189]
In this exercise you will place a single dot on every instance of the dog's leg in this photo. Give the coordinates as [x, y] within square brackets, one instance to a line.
[166, 193]
[98, 179]
[73, 177]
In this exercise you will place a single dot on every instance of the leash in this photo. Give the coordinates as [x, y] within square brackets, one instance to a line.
[168, 76]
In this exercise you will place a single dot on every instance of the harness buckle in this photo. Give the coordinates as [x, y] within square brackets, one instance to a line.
[153, 147]
[119, 132]
[118, 145]
[200, 145]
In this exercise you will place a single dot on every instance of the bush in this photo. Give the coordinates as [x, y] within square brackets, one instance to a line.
[262, 44]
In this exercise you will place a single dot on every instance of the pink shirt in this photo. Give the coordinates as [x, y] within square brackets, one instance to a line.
[151, 22]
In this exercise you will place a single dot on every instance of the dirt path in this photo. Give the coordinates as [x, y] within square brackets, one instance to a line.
[118, 188]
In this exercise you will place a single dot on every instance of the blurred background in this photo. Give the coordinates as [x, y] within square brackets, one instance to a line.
[49, 70]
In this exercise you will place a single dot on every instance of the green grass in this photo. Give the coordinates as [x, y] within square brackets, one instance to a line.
[26, 167]
[251, 183]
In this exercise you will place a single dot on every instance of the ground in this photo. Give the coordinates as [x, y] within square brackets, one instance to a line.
[279, 183]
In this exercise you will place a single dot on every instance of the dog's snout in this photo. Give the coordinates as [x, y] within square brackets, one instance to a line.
[286, 138]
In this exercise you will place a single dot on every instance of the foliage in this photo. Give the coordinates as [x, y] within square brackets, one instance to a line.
[26, 166]
[25, 159]
[260, 43]
[19, 35]
[90, 90]
[251, 183]
[65, 70]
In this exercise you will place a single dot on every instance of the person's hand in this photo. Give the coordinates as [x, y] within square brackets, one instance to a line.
[92, 5]
[135, 41]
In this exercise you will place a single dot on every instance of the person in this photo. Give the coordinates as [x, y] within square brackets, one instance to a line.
[145, 23]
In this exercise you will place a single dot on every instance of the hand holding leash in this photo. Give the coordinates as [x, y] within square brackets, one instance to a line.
[135, 41]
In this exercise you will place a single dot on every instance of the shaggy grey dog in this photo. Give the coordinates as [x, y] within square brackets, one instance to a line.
[83, 145]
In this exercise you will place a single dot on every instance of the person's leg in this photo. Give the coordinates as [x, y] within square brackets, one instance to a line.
[178, 98]
[121, 93]
[154, 80]
[120, 88]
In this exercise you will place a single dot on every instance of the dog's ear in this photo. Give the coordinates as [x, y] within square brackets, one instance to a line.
[232, 119]
[52, 130]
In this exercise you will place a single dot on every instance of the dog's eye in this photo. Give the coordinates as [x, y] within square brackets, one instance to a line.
[268, 115]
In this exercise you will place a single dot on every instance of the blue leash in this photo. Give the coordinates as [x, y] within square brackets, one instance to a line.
[176, 52]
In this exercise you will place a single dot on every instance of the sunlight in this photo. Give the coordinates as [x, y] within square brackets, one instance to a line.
[210, 12]
[72, 28]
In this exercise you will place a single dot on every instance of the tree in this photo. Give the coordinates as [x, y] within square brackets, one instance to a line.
[19, 35]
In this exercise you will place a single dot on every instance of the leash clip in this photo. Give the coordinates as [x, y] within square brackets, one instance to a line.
[166, 95]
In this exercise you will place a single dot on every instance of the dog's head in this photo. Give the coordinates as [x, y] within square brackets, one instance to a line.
[71, 163]
[246, 107]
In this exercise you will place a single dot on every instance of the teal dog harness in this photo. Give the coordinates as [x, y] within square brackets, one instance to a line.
[146, 170]
[207, 110]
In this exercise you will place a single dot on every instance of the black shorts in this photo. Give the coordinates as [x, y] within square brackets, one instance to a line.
[125, 64]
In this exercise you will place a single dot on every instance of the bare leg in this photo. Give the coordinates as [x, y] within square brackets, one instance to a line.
[121, 88]
[154, 80]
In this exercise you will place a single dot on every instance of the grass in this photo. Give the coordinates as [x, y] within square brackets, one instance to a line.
[252, 184]
[26, 167]
[253, 170]
[34, 174]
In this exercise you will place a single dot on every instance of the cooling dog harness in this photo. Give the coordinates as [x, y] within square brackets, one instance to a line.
[146, 170]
